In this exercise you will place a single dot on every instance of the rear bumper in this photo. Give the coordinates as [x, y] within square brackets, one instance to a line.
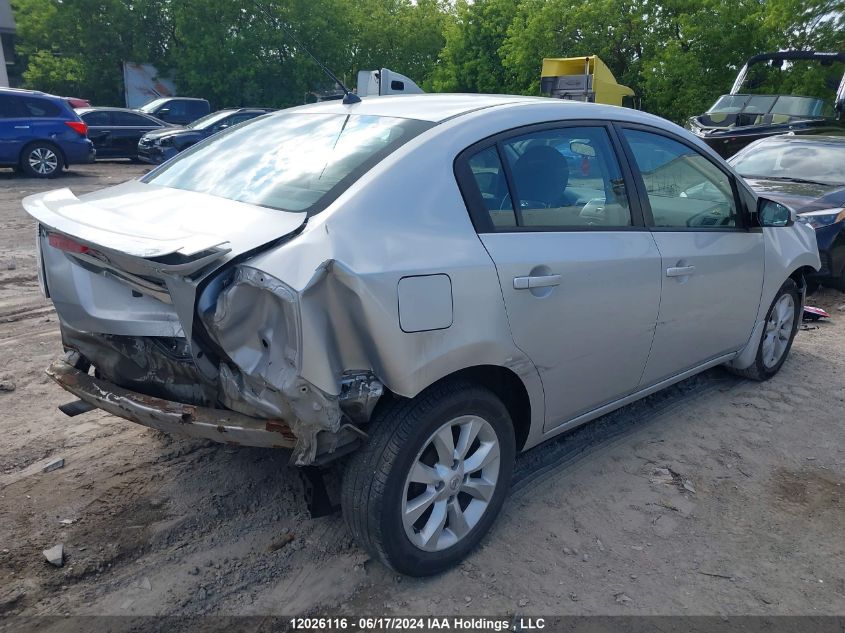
[79, 152]
[219, 425]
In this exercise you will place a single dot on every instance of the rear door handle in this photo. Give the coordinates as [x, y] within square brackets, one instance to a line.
[541, 281]
[21, 127]
[680, 271]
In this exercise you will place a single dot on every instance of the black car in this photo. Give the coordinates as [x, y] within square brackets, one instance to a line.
[115, 132]
[740, 118]
[160, 145]
[177, 110]
[807, 174]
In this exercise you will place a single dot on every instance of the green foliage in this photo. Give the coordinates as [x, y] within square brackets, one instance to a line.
[678, 55]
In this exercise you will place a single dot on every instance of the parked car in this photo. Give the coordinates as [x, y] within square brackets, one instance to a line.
[40, 134]
[421, 286]
[176, 110]
[160, 145]
[807, 174]
[115, 132]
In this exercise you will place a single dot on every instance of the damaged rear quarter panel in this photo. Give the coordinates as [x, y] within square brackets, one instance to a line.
[346, 265]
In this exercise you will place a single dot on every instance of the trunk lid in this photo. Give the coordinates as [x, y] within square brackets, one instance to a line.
[158, 242]
[152, 222]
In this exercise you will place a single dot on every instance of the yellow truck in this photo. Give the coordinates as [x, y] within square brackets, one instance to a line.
[583, 79]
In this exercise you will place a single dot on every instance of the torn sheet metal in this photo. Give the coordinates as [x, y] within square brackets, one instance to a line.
[219, 425]
[255, 321]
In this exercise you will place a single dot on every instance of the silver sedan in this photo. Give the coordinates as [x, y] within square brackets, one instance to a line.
[421, 286]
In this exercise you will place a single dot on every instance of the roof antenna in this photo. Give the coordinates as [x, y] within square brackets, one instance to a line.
[349, 97]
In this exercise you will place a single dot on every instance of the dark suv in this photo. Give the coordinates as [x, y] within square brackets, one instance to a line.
[177, 110]
[40, 134]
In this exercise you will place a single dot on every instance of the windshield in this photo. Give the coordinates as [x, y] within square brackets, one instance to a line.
[152, 105]
[804, 161]
[289, 162]
[209, 120]
[787, 105]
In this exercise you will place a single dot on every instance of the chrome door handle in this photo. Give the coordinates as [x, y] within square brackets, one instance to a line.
[542, 281]
[21, 127]
[680, 271]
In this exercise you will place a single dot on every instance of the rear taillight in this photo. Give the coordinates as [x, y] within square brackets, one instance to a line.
[78, 126]
[66, 244]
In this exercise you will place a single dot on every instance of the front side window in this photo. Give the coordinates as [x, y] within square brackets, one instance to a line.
[685, 189]
[288, 162]
[11, 107]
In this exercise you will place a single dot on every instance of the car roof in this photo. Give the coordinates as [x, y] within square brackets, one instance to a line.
[32, 93]
[424, 107]
[87, 109]
[437, 108]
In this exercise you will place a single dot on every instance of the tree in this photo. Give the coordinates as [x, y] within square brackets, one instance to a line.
[78, 48]
[471, 60]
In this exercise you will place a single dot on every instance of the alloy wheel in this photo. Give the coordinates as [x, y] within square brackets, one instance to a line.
[451, 483]
[43, 160]
[778, 330]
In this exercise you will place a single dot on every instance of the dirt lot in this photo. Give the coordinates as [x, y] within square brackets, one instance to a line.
[746, 518]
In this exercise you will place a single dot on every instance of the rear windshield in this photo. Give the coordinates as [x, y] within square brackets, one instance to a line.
[289, 162]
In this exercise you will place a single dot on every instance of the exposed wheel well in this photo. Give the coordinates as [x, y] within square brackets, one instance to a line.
[505, 384]
[799, 276]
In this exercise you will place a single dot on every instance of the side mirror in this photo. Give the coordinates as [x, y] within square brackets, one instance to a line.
[163, 113]
[222, 126]
[771, 213]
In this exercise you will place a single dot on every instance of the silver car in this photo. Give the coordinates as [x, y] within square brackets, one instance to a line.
[422, 285]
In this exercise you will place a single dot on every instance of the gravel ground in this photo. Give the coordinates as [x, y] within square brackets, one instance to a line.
[717, 496]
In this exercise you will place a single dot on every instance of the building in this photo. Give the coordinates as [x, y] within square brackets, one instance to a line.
[7, 33]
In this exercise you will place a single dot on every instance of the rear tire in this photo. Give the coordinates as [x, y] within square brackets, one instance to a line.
[432, 477]
[41, 160]
[782, 322]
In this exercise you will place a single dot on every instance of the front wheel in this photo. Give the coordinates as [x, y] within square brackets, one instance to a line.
[431, 479]
[782, 322]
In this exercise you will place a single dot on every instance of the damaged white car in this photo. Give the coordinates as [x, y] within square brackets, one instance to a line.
[422, 285]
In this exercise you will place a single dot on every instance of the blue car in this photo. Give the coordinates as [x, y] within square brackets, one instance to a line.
[807, 174]
[40, 134]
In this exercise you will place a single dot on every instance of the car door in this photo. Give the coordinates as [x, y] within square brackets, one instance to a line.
[100, 131]
[16, 128]
[579, 272]
[7, 116]
[128, 130]
[712, 259]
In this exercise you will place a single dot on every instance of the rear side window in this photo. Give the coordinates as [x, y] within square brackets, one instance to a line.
[196, 109]
[490, 178]
[685, 189]
[555, 179]
[97, 119]
[127, 119]
[289, 162]
[40, 107]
